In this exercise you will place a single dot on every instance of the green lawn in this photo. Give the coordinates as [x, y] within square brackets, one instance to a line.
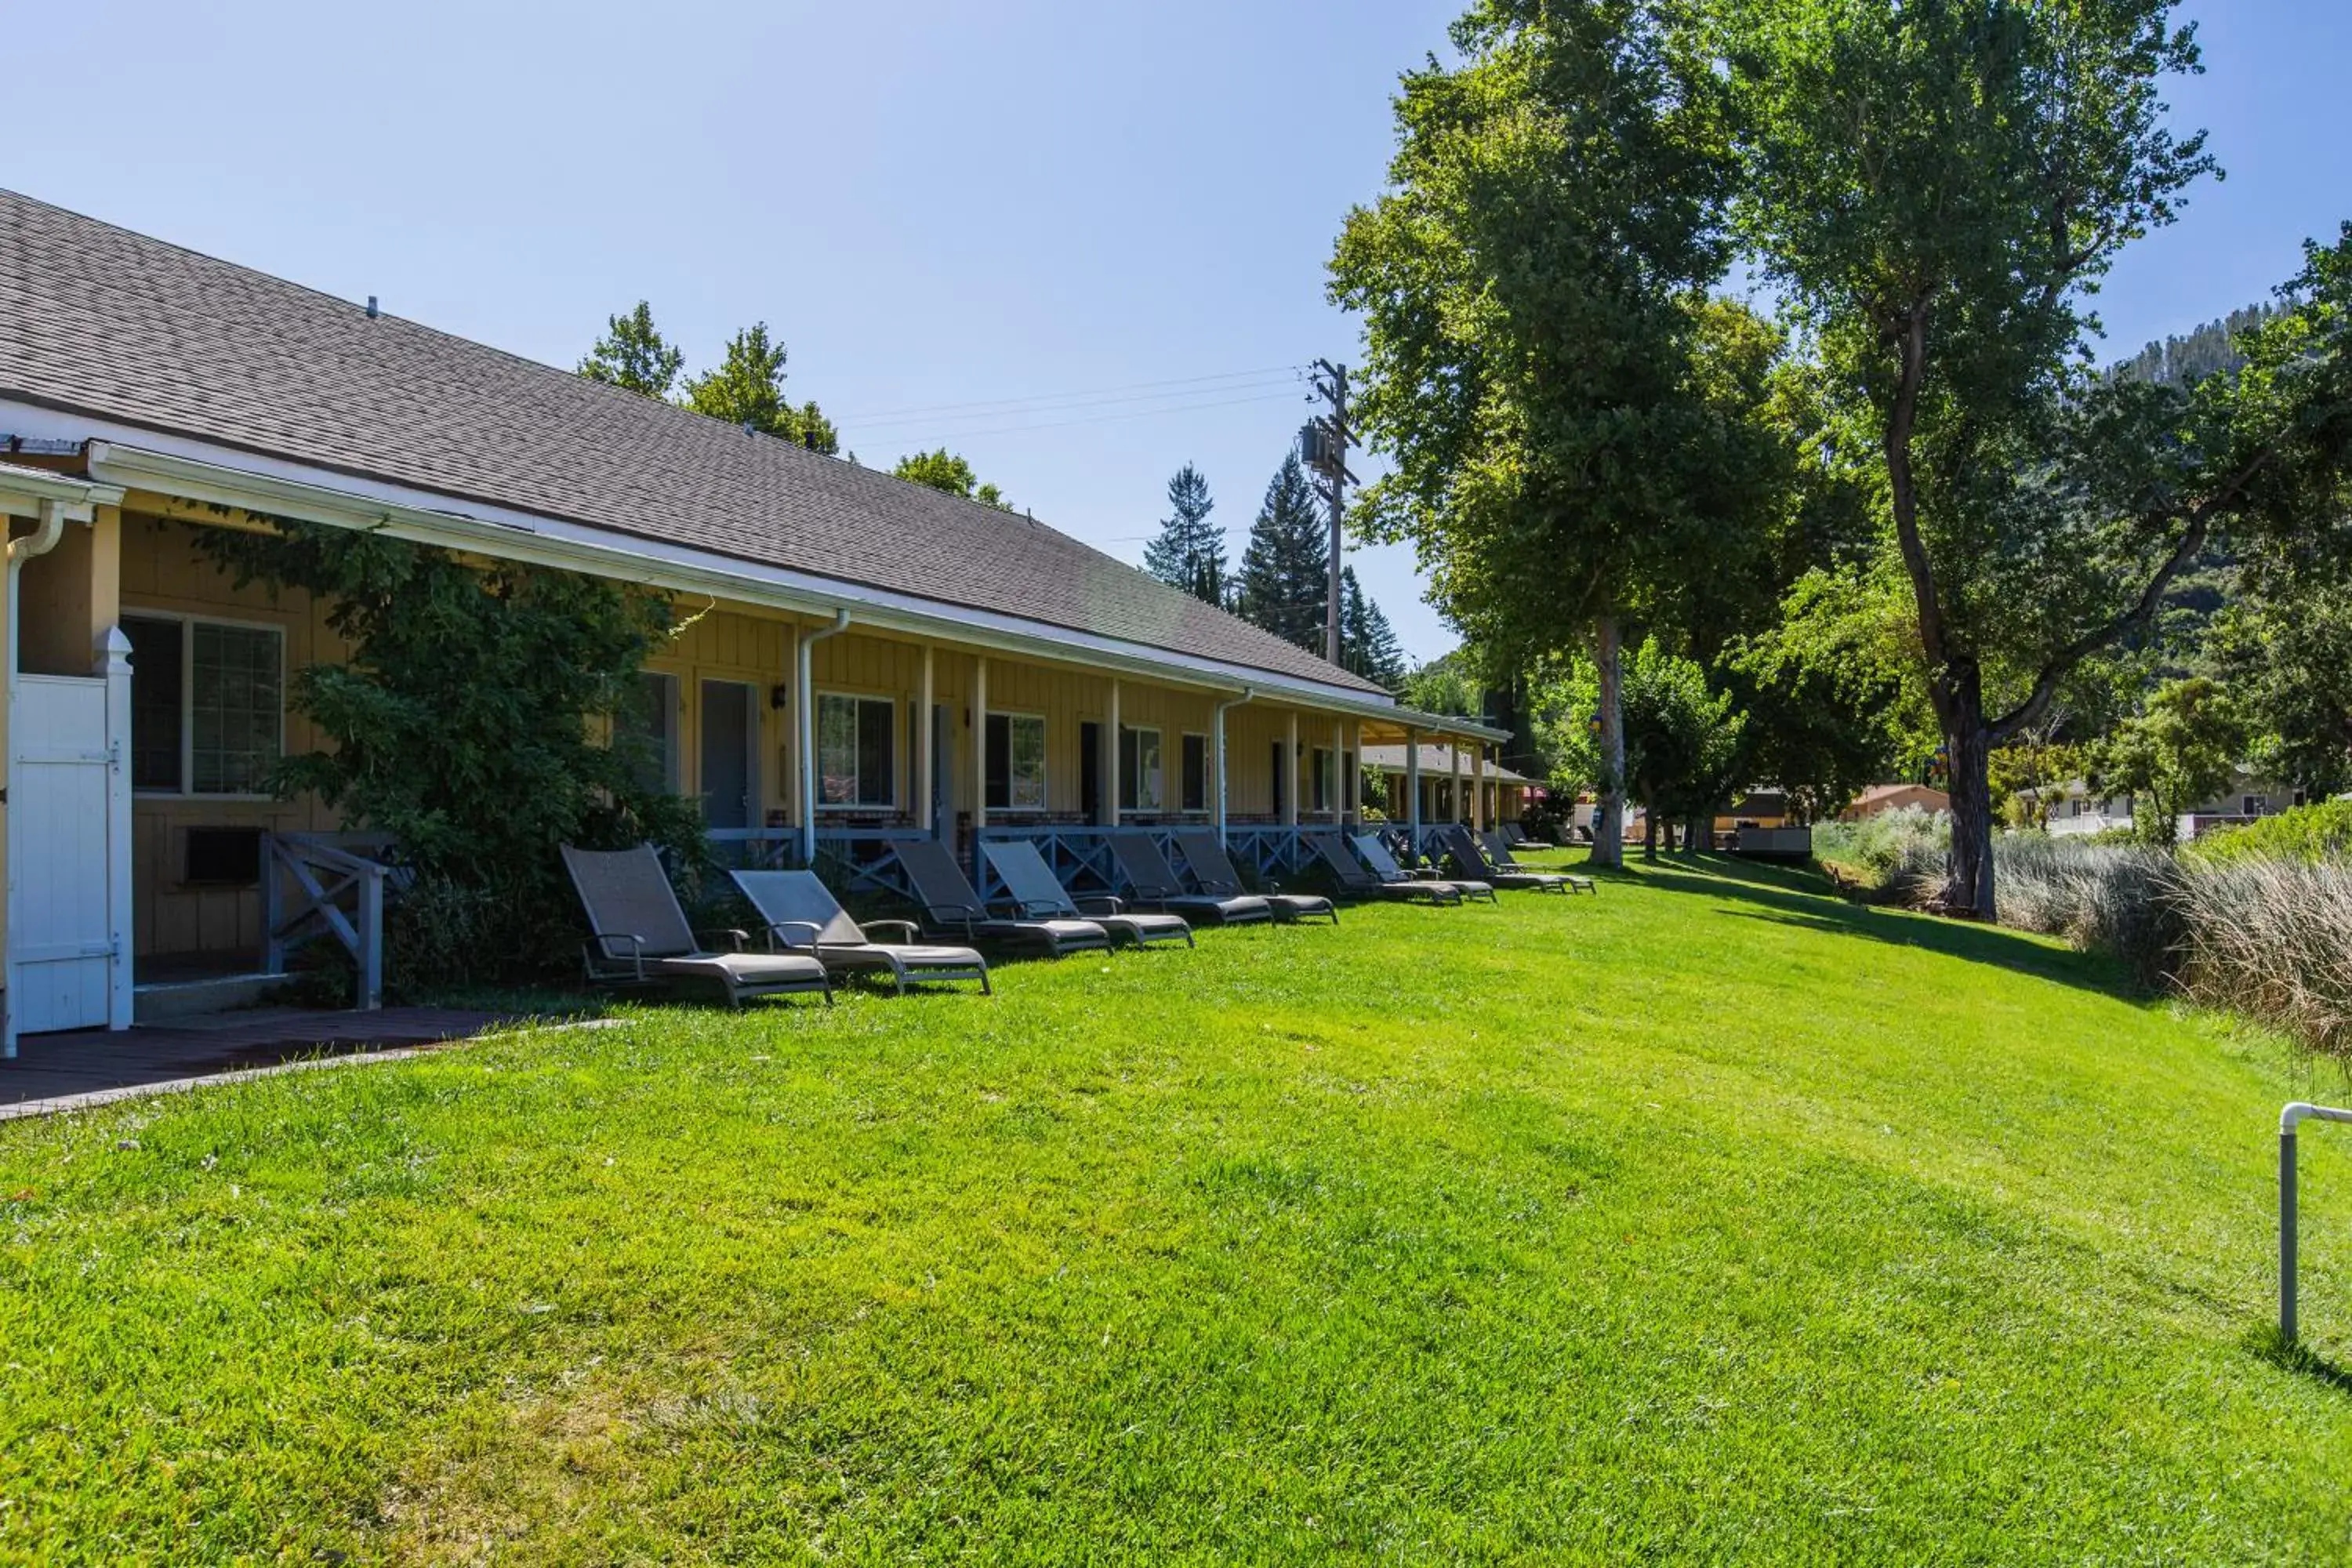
[1708, 1220]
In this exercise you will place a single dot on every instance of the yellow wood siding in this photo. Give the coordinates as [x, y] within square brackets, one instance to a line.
[162, 574]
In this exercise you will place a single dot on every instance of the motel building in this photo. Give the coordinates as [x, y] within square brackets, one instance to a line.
[864, 659]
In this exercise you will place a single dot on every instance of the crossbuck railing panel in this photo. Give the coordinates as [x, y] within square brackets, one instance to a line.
[333, 891]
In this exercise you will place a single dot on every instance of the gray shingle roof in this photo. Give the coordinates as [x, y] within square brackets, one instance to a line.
[1437, 762]
[99, 320]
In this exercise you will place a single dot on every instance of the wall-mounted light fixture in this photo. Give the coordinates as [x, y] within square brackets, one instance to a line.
[779, 696]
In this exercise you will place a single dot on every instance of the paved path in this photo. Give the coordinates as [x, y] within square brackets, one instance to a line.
[91, 1066]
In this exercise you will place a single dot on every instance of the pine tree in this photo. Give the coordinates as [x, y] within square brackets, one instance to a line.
[1368, 643]
[633, 354]
[1283, 580]
[1190, 551]
[747, 388]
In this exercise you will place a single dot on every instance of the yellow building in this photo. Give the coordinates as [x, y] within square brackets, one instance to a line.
[863, 659]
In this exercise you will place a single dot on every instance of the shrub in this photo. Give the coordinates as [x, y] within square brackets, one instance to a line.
[1884, 845]
[2312, 835]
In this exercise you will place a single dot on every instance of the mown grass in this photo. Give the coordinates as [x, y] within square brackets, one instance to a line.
[1708, 1220]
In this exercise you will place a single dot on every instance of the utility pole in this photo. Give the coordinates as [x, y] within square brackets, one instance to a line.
[1323, 447]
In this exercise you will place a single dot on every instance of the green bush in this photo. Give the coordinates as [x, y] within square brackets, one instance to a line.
[2312, 835]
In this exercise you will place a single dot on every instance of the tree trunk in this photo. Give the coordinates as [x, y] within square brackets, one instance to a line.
[1609, 816]
[1967, 869]
[1649, 835]
[1694, 835]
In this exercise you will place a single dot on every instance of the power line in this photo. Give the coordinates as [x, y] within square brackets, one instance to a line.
[1134, 414]
[1172, 401]
[1017, 405]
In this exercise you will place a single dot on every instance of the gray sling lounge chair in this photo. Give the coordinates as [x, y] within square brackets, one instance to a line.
[638, 934]
[1038, 894]
[803, 914]
[1212, 870]
[950, 907]
[1516, 837]
[1354, 882]
[1469, 857]
[1155, 886]
[1500, 852]
[1384, 865]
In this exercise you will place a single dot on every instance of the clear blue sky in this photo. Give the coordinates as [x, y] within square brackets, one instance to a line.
[932, 203]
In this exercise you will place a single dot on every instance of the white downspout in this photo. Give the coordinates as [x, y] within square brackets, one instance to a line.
[1218, 741]
[805, 696]
[40, 542]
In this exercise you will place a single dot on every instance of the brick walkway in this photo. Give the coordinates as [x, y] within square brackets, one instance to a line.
[91, 1066]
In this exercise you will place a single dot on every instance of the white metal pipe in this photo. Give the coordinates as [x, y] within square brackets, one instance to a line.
[806, 697]
[2289, 1118]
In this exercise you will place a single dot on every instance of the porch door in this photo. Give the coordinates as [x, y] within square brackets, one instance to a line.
[943, 774]
[731, 774]
[65, 943]
[1090, 771]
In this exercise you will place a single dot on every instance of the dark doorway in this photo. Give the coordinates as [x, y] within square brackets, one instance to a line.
[1090, 771]
[729, 776]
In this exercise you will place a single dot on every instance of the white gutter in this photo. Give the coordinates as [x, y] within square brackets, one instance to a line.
[1219, 731]
[805, 697]
[40, 542]
[294, 490]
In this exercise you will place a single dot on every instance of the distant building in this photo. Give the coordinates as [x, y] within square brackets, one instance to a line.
[1885, 798]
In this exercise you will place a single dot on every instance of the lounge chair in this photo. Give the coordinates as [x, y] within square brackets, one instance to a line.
[803, 913]
[1212, 870]
[638, 934]
[1469, 857]
[1354, 882]
[1500, 852]
[950, 908]
[1155, 886]
[1384, 865]
[1516, 837]
[1038, 894]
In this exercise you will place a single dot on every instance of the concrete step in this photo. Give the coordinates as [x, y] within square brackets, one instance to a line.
[194, 998]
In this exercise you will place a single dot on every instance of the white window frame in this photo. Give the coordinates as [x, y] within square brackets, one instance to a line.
[1013, 716]
[816, 744]
[188, 623]
[1158, 804]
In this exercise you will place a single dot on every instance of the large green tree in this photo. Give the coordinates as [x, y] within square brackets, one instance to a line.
[1934, 188]
[2183, 747]
[1368, 643]
[952, 472]
[748, 389]
[1532, 289]
[633, 355]
[1284, 575]
[1189, 551]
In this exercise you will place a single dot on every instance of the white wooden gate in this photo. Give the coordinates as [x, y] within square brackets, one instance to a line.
[68, 853]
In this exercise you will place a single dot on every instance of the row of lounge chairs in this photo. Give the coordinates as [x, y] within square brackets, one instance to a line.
[639, 934]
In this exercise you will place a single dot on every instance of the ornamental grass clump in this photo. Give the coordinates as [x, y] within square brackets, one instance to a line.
[2118, 898]
[2272, 939]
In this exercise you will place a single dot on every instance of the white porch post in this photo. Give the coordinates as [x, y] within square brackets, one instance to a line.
[925, 762]
[1412, 786]
[805, 680]
[1338, 770]
[1351, 771]
[1290, 766]
[1478, 788]
[979, 746]
[1110, 763]
[1453, 785]
[114, 664]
